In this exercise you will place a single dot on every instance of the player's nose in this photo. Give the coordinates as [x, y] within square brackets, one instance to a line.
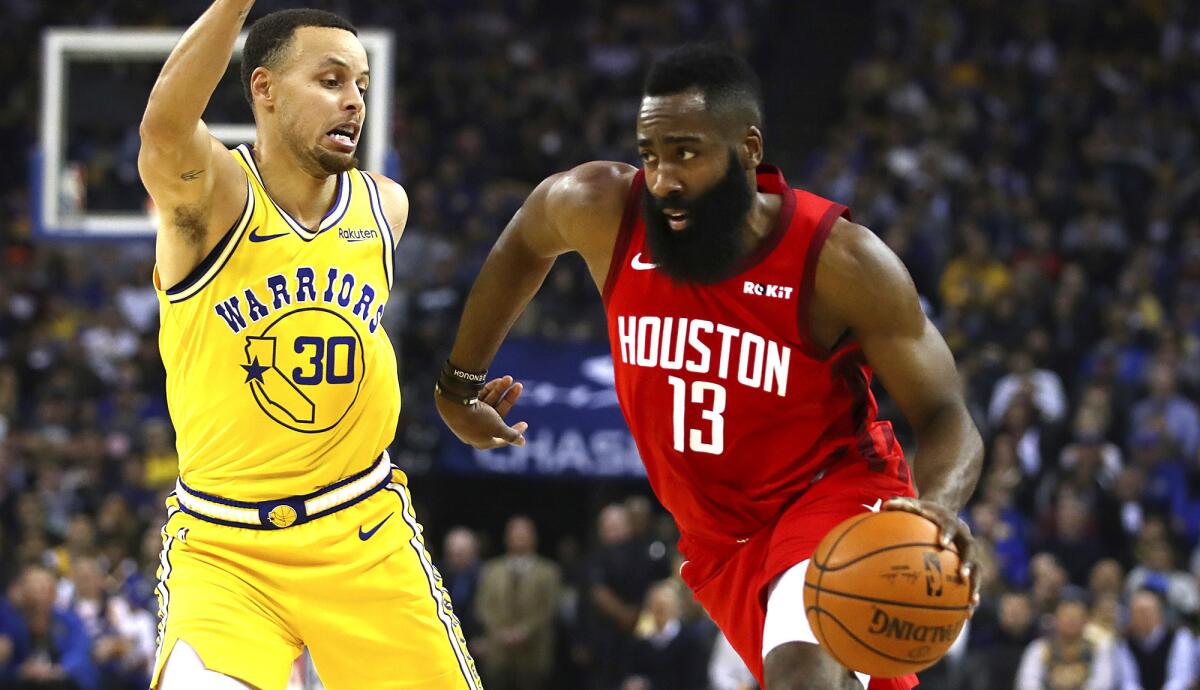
[663, 184]
[354, 100]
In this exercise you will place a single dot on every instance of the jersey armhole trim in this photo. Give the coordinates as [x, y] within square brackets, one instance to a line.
[335, 213]
[385, 229]
[809, 279]
[624, 235]
[212, 264]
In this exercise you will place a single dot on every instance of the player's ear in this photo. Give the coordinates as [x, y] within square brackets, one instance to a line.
[752, 148]
[261, 86]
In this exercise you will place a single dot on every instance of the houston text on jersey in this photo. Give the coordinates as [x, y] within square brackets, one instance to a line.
[701, 346]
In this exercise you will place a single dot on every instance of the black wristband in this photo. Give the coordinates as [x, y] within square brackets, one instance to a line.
[460, 385]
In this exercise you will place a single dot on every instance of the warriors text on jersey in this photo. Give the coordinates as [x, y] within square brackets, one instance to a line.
[280, 377]
[734, 408]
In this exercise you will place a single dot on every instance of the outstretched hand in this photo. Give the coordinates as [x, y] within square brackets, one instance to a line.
[482, 424]
[951, 530]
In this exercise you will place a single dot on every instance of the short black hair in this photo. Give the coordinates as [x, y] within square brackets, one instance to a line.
[271, 35]
[723, 76]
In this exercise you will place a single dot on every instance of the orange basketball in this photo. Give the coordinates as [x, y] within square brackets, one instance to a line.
[883, 597]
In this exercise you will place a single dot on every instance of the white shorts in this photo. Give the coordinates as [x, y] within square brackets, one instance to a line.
[786, 620]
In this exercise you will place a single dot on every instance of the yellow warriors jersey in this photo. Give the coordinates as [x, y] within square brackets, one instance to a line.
[280, 377]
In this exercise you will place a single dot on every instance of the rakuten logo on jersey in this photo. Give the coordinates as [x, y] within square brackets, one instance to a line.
[766, 290]
[704, 347]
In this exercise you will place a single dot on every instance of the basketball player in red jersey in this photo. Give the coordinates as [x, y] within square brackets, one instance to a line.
[746, 319]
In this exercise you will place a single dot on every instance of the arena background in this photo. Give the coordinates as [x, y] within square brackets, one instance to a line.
[1033, 163]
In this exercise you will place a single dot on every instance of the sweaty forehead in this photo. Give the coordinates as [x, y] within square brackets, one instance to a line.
[675, 114]
[312, 46]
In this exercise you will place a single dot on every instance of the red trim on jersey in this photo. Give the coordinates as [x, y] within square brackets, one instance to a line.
[809, 279]
[771, 181]
[850, 368]
[621, 246]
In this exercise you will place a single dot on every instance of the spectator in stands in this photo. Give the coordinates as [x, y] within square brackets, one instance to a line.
[1072, 540]
[159, 456]
[1007, 540]
[1000, 632]
[726, 670]
[1163, 405]
[1065, 659]
[975, 279]
[123, 637]
[1105, 579]
[641, 521]
[1155, 654]
[1043, 386]
[1105, 618]
[80, 541]
[1049, 579]
[670, 654]
[1156, 570]
[460, 569]
[49, 646]
[618, 575]
[518, 596]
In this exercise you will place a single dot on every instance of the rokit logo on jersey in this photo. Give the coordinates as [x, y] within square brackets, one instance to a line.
[305, 366]
[358, 235]
[766, 290]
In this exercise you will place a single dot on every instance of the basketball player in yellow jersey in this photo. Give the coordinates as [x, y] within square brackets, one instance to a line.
[288, 527]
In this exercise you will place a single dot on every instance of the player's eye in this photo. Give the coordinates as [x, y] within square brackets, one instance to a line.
[686, 154]
[329, 83]
[646, 156]
[362, 90]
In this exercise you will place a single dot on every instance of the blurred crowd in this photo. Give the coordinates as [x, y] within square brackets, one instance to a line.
[1034, 164]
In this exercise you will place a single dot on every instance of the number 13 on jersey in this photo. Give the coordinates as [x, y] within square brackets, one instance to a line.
[710, 397]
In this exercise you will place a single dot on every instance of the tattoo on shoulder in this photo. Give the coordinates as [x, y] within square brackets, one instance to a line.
[191, 175]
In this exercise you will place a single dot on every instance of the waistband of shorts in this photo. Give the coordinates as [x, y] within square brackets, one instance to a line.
[280, 513]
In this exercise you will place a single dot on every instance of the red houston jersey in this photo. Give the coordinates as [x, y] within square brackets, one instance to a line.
[734, 408]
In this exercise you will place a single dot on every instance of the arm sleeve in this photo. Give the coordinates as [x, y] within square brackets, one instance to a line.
[1128, 677]
[1102, 668]
[1029, 674]
[1181, 663]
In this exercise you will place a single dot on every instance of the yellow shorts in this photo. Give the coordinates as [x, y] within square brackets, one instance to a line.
[355, 586]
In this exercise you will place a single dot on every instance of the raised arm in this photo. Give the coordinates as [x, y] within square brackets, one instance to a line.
[862, 287]
[578, 210]
[197, 187]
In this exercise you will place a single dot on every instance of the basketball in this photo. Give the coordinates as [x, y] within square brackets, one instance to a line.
[883, 597]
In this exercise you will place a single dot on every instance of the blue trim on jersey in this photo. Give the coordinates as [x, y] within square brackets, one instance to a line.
[341, 202]
[198, 272]
[163, 589]
[237, 232]
[385, 228]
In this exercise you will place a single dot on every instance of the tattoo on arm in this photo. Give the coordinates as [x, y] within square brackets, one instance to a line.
[191, 175]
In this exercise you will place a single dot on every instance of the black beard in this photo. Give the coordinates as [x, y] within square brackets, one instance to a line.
[709, 249]
[334, 164]
[326, 161]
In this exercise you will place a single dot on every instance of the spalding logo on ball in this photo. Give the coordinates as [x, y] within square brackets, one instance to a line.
[883, 597]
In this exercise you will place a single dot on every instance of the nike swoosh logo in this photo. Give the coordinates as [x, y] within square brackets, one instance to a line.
[255, 237]
[639, 265]
[875, 508]
[371, 532]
